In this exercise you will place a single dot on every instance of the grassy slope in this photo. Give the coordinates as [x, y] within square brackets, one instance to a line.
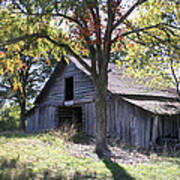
[45, 156]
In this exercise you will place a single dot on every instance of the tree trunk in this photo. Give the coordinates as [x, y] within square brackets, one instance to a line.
[22, 125]
[101, 116]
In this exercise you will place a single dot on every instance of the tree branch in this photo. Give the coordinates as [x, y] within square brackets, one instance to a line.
[138, 42]
[150, 27]
[41, 35]
[57, 14]
[140, 29]
[22, 38]
[68, 49]
[121, 20]
[175, 77]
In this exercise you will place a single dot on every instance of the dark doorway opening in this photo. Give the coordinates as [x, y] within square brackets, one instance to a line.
[70, 116]
[69, 89]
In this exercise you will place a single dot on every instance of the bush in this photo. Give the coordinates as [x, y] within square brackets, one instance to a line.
[9, 118]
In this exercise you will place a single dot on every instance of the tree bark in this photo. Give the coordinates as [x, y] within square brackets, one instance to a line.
[100, 84]
[22, 125]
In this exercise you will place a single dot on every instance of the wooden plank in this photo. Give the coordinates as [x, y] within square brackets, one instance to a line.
[133, 127]
[56, 117]
[36, 119]
[50, 119]
[167, 126]
[86, 118]
[178, 127]
[155, 129]
[128, 119]
[147, 132]
[90, 118]
[83, 118]
[143, 130]
[160, 127]
[113, 116]
[117, 123]
[138, 126]
[34, 122]
[108, 118]
[94, 118]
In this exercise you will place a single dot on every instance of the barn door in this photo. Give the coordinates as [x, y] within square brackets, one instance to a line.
[70, 116]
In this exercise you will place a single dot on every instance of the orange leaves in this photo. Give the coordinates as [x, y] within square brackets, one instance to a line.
[2, 54]
[21, 64]
[61, 37]
[48, 61]
[39, 56]
[131, 45]
[17, 86]
[60, 34]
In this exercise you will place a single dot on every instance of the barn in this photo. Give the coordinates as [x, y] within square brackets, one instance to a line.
[136, 114]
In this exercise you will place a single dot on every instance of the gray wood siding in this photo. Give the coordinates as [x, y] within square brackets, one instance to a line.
[164, 127]
[89, 118]
[43, 118]
[124, 120]
[83, 86]
[128, 122]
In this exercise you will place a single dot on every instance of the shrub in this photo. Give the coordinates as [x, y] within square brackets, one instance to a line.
[9, 118]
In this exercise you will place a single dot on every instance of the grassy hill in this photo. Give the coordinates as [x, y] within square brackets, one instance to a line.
[47, 156]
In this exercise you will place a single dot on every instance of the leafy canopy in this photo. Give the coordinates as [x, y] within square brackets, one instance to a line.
[145, 32]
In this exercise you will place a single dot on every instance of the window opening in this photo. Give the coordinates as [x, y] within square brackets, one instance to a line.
[69, 89]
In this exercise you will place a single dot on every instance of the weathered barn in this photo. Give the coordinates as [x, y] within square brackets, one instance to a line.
[136, 114]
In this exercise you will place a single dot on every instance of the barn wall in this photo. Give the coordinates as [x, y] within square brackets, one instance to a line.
[43, 118]
[89, 118]
[178, 127]
[124, 120]
[164, 128]
[83, 86]
[130, 123]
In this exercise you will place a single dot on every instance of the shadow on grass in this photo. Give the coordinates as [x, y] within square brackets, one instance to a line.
[175, 161]
[17, 134]
[82, 138]
[13, 169]
[118, 173]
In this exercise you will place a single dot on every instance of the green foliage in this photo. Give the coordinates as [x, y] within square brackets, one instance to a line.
[76, 24]
[9, 118]
[152, 53]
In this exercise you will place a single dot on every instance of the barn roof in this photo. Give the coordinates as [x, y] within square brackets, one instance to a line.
[2, 91]
[156, 105]
[120, 84]
[157, 101]
[57, 72]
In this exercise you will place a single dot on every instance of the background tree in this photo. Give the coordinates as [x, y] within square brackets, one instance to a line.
[157, 51]
[93, 28]
[24, 81]
[23, 67]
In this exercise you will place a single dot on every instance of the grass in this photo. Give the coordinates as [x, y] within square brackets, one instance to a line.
[45, 156]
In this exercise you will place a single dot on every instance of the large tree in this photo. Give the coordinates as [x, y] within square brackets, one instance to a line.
[93, 29]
